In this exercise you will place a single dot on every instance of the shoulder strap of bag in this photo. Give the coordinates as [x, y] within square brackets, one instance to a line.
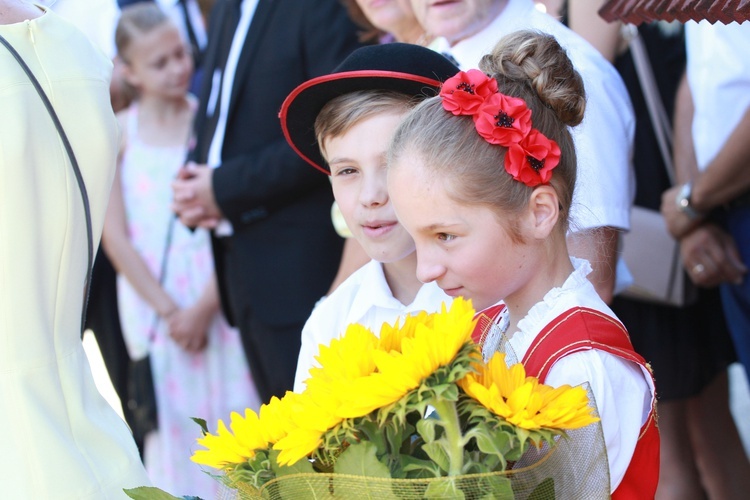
[76, 170]
[659, 119]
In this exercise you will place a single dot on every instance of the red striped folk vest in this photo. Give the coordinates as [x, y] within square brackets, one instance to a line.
[580, 329]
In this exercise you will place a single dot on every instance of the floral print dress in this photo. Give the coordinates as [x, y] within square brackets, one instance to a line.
[210, 384]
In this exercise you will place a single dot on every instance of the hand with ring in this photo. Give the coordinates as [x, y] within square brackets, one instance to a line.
[711, 257]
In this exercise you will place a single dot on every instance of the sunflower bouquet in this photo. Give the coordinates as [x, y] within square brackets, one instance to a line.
[411, 413]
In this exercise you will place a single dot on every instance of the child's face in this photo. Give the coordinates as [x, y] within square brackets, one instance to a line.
[359, 180]
[159, 62]
[464, 248]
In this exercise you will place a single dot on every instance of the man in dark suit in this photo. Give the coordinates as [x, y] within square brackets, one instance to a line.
[274, 245]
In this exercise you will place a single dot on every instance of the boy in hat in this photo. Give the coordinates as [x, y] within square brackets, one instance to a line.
[342, 124]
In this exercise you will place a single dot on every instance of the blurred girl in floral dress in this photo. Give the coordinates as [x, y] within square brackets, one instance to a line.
[167, 292]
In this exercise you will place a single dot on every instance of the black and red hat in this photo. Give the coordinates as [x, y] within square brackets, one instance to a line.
[399, 67]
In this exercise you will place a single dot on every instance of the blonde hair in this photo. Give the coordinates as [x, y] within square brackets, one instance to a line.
[343, 112]
[136, 20]
[526, 64]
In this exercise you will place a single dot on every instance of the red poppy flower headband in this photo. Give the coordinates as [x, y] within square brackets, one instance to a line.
[505, 121]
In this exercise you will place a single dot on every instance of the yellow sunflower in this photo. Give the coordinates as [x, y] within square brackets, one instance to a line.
[313, 413]
[225, 449]
[276, 418]
[523, 401]
[248, 434]
[345, 358]
[427, 342]
[391, 336]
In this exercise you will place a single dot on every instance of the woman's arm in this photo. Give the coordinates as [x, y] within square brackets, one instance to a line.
[124, 257]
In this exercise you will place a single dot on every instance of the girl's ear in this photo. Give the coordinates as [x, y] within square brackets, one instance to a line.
[127, 73]
[543, 212]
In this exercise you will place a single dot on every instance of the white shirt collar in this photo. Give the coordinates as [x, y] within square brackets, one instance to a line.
[470, 50]
[374, 292]
[554, 300]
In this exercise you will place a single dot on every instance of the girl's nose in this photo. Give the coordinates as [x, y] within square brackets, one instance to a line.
[428, 269]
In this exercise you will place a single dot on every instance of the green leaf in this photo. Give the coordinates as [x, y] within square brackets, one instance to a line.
[299, 488]
[495, 488]
[426, 429]
[374, 434]
[149, 493]
[544, 490]
[447, 391]
[522, 434]
[361, 460]
[300, 467]
[418, 468]
[436, 452]
[497, 443]
[445, 488]
[202, 423]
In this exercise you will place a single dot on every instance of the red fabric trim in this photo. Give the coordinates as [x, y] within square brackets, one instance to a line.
[485, 320]
[339, 76]
[580, 329]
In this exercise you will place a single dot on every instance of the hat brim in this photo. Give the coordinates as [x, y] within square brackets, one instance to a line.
[302, 106]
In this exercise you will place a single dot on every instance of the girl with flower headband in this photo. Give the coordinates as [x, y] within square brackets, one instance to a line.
[482, 177]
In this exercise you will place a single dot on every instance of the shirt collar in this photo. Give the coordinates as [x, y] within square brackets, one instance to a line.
[469, 51]
[374, 292]
[539, 314]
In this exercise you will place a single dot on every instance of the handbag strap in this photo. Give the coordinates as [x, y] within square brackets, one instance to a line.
[659, 119]
[76, 170]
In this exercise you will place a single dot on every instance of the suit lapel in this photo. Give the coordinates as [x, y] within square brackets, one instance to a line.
[210, 61]
[258, 26]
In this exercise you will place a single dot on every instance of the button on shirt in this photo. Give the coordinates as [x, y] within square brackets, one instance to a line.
[364, 298]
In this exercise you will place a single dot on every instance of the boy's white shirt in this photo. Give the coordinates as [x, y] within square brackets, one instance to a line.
[363, 298]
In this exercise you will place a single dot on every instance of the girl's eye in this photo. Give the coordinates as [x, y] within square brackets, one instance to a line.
[446, 236]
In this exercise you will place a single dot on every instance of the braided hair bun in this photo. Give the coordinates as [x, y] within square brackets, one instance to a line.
[529, 61]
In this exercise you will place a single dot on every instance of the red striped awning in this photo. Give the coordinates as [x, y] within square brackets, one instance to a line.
[640, 11]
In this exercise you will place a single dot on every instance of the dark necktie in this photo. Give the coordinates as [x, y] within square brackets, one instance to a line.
[226, 35]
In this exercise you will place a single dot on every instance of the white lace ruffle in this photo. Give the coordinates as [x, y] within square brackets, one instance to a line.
[537, 316]
[539, 311]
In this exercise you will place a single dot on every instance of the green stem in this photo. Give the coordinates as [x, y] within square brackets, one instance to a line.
[455, 445]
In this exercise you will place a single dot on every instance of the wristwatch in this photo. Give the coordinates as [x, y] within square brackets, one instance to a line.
[684, 204]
